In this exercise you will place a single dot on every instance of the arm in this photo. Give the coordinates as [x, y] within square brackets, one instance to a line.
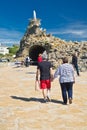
[73, 74]
[37, 81]
[56, 73]
[51, 74]
[37, 74]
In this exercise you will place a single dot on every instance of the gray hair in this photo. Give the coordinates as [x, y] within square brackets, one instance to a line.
[44, 55]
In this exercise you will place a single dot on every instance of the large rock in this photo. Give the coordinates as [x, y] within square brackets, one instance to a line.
[35, 41]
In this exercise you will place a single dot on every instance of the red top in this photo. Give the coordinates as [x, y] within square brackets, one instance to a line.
[39, 58]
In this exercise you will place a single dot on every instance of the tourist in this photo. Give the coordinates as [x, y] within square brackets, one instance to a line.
[66, 79]
[39, 59]
[44, 70]
[75, 62]
[27, 61]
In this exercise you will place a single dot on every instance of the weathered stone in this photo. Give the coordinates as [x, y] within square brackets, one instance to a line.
[35, 41]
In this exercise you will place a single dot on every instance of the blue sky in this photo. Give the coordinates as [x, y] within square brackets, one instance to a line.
[65, 19]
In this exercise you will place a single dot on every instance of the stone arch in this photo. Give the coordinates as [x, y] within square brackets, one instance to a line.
[35, 50]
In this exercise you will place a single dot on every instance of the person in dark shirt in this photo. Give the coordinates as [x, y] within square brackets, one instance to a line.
[27, 61]
[75, 62]
[44, 69]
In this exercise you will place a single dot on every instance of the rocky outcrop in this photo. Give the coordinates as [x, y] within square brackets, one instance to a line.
[35, 41]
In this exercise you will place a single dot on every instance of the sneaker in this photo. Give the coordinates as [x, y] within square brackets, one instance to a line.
[48, 99]
[70, 100]
[44, 100]
[64, 103]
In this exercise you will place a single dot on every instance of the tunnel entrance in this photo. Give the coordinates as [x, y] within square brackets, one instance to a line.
[34, 51]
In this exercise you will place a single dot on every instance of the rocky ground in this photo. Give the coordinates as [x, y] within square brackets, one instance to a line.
[21, 107]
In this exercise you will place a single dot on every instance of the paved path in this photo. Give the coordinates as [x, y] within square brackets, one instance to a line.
[21, 107]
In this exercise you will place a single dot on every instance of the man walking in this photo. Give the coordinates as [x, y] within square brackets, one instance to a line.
[75, 62]
[44, 69]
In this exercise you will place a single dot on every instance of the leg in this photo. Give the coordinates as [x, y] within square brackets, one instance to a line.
[44, 89]
[44, 93]
[70, 91]
[26, 64]
[48, 95]
[64, 94]
[77, 70]
[48, 84]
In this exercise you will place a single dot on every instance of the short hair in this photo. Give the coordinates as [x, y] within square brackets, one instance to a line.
[65, 60]
[44, 57]
[40, 54]
[74, 54]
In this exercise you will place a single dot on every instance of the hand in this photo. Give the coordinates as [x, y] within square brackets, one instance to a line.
[73, 81]
[37, 85]
[51, 78]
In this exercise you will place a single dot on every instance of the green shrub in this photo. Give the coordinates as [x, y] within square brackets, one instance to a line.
[13, 49]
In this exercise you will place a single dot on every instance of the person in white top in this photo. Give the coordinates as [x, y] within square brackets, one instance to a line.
[66, 79]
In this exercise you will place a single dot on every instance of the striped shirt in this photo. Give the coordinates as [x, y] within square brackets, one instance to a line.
[66, 73]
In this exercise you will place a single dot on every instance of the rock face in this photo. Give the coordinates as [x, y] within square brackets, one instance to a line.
[35, 41]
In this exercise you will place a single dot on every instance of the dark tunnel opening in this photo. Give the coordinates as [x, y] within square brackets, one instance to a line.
[34, 52]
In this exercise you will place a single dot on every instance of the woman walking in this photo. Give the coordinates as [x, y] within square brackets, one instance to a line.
[66, 73]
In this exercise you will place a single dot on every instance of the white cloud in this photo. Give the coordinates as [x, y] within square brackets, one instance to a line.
[77, 30]
[73, 32]
[10, 36]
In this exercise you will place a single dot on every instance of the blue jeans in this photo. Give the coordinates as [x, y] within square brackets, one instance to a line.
[67, 90]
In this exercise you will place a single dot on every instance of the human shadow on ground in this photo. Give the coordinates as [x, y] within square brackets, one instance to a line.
[35, 99]
[56, 101]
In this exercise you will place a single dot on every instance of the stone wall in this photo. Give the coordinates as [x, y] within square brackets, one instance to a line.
[35, 41]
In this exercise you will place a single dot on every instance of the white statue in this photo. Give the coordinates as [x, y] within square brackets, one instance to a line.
[34, 14]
